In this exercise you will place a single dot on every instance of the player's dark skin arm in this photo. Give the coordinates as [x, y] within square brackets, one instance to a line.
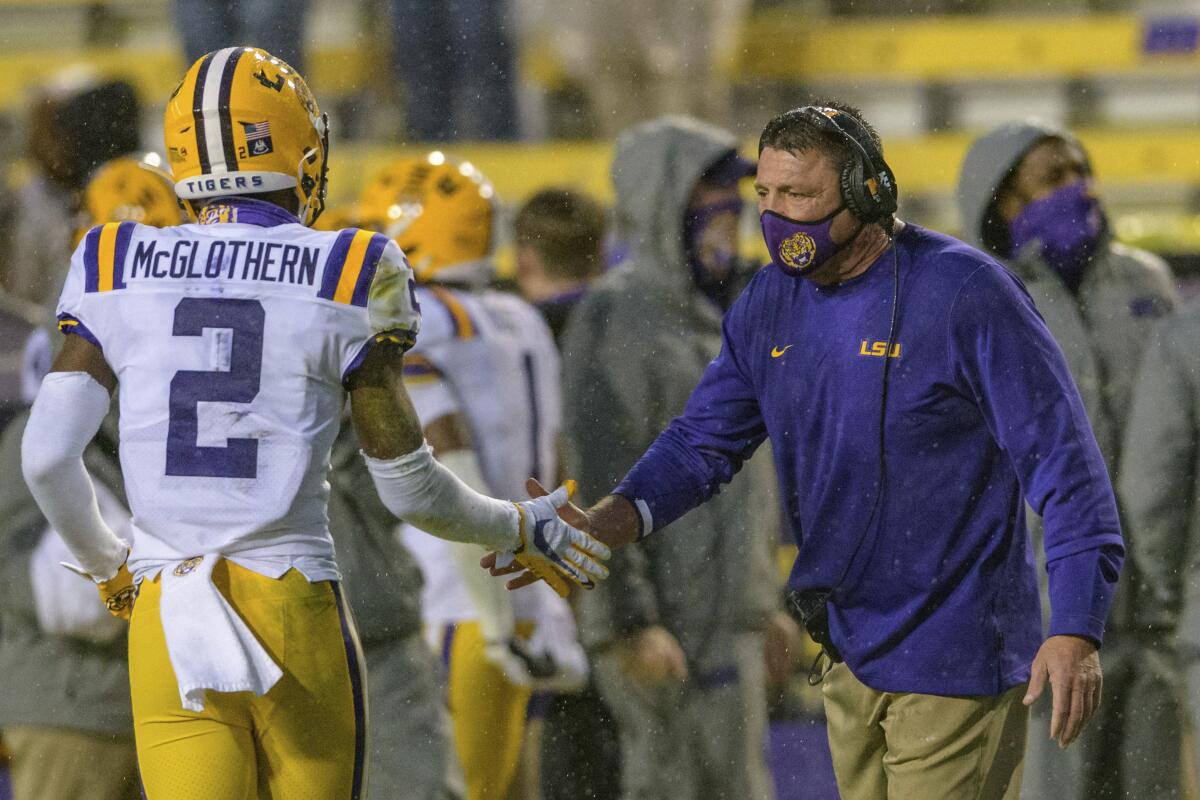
[80, 355]
[384, 418]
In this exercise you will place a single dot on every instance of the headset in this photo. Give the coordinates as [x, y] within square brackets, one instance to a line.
[868, 185]
[869, 191]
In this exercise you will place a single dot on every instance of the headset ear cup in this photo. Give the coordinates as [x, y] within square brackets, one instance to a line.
[886, 194]
[854, 192]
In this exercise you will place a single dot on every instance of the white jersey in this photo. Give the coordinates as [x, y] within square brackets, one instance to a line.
[231, 342]
[490, 357]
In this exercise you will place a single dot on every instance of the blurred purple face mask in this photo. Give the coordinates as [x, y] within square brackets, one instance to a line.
[798, 248]
[1068, 223]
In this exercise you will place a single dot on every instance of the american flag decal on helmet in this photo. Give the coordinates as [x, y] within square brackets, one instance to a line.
[258, 137]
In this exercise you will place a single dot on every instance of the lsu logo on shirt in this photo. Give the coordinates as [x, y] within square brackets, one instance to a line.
[877, 348]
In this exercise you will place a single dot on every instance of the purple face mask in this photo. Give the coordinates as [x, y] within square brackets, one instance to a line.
[1068, 223]
[797, 248]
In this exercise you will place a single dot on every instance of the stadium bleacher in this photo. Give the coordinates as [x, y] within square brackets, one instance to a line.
[928, 83]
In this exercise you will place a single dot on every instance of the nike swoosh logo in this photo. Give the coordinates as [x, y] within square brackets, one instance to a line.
[776, 352]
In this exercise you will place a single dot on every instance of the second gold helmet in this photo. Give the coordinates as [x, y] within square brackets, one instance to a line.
[130, 188]
[440, 211]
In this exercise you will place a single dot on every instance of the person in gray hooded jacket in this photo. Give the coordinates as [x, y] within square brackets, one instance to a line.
[64, 707]
[1026, 195]
[678, 634]
[1159, 488]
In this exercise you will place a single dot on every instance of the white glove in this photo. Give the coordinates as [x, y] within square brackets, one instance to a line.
[508, 656]
[556, 640]
[553, 550]
[524, 664]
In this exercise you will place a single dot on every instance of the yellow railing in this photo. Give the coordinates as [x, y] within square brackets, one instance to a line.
[784, 45]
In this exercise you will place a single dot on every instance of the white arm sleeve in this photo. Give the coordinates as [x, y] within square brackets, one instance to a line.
[420, 491]
[488, 594]
[66, 415]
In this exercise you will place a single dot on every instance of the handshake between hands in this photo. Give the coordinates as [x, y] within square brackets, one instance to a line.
[555, 545]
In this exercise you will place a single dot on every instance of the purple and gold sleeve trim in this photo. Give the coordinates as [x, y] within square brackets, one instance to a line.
[104, 250]
[351, 266]
[397, 336]
[419, 369]
[71, 326]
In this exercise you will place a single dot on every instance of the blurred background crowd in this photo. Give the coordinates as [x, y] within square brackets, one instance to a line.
[533, 94]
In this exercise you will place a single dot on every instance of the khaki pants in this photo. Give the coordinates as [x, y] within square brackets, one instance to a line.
[897, 746]
[60, 764]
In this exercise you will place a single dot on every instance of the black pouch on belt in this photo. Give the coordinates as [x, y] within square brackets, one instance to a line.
[810, 608]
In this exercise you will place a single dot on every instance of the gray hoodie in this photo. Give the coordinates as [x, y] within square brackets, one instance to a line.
[633, 351]
[1160, 484]
[51, 680]
[1103, 328]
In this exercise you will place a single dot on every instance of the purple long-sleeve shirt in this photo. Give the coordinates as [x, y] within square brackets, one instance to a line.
[938, 594]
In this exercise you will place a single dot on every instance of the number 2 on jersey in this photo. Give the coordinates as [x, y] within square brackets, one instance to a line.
[238, 384]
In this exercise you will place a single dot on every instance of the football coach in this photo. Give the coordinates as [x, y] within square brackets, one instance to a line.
[914, 400]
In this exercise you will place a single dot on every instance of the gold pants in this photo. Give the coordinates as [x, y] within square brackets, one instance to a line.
[488, 713]
[901, 746]
[304, 739]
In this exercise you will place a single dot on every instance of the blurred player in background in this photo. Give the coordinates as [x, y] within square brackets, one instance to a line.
[559, 236]
[71, 738]
[484, 382]
[235, 342]
[560, 245]
[678, 640]
[1027, 196]
[77, 121]
[133, 188]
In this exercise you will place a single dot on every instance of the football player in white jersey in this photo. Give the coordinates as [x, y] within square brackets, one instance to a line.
[235, 342]
[484, 381]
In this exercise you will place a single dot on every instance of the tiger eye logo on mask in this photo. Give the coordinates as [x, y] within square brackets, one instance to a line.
[797, 250]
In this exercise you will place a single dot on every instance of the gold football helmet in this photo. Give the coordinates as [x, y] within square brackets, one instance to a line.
[338, 218]
[132, 188]
[243, 122]
[441, 211]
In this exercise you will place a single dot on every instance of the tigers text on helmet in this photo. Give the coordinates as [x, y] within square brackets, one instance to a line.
[441, 211]
[243, 122]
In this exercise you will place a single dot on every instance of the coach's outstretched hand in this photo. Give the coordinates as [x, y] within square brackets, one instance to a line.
[1072, 667]
[555, 546]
